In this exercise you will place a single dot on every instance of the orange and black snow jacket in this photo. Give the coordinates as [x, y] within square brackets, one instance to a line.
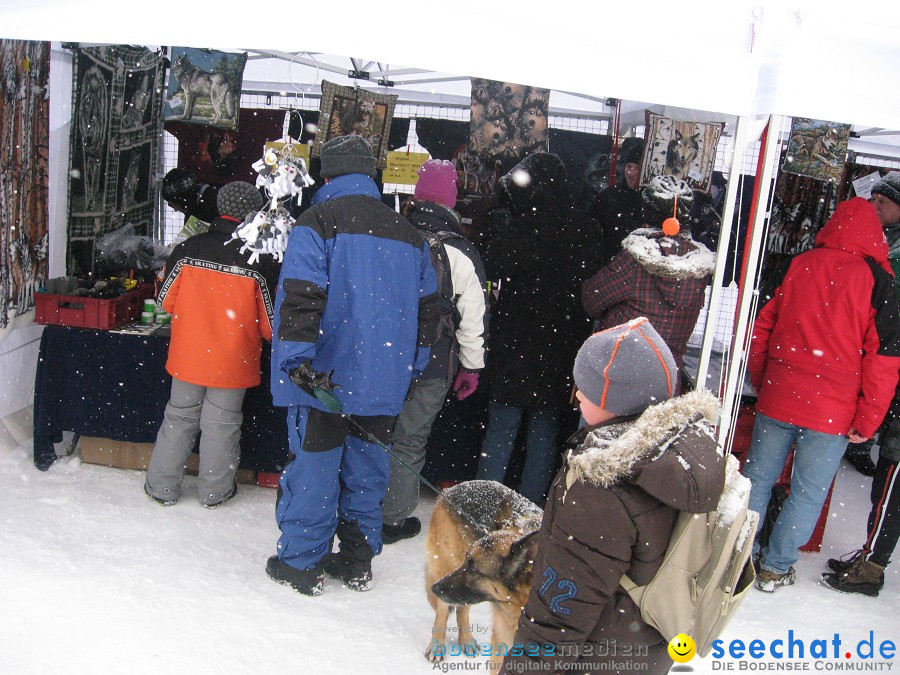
[221, 307]
[825, 347]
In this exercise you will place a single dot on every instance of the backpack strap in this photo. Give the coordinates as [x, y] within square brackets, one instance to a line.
[626, 583]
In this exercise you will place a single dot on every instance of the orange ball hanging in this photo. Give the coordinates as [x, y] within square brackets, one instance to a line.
[671, 227]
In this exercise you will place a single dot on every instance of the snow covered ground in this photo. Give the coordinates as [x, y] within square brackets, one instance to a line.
[96, 578]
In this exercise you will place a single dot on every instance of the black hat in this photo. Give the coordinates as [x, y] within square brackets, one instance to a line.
[179, 187]
[632, 152]
[889, 186]
[347, 154]
[237, 199]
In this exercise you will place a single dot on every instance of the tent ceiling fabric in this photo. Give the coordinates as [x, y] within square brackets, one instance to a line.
[793, 57]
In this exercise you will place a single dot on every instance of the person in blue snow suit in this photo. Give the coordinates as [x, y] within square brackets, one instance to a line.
[357, 296]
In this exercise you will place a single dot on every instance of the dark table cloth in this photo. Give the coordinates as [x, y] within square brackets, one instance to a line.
[112, 385]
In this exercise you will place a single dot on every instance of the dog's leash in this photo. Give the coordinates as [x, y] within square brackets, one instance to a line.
[333, 403]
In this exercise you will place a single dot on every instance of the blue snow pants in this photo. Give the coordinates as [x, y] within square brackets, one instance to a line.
[335, 475]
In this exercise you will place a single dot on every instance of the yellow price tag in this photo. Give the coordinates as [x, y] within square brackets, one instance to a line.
[402, 167]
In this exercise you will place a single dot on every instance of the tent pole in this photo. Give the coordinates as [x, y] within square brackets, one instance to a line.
[715, 295]
[770, 148]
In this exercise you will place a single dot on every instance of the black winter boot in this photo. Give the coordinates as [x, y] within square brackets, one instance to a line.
[408, 527]
[352, 564]
[863, 577]
[845, 562]
[308, 582]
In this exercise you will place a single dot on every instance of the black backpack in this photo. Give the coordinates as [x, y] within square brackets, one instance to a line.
[449, 317]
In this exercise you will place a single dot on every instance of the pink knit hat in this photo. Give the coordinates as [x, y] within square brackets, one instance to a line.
[437, 182]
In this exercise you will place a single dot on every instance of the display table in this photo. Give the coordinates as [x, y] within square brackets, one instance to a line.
[112, 385]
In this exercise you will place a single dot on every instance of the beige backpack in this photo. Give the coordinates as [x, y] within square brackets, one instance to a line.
[706, 570]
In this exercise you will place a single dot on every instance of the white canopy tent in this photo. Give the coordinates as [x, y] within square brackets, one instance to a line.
[742, 61]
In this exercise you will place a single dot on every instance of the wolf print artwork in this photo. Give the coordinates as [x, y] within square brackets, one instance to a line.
[508, 121]
[817, 149]
[685, 150]
[205, 87]
[353, 111]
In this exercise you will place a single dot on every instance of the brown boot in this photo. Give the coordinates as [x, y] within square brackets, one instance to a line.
[863, 577]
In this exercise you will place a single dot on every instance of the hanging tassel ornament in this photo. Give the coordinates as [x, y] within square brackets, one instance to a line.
[671, 226]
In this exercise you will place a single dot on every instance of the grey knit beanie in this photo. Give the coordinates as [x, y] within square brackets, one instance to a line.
[625, 369]
[237, 199]
[347, 154]
[658, 200]
[889, 186]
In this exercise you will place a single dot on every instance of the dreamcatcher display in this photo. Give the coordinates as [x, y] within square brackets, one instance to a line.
[283, 175]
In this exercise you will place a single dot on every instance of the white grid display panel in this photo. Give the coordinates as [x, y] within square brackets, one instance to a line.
[171, 221]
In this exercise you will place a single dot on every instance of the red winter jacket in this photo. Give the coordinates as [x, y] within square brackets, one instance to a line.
[824, 350]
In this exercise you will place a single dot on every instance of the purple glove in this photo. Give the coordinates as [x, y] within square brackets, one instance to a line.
[465, 384]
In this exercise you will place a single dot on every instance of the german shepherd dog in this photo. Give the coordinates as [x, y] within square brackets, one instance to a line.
[195, 82]
[480, 547]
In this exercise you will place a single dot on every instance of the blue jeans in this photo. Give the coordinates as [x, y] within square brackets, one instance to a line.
[817, 456]
[540, 454]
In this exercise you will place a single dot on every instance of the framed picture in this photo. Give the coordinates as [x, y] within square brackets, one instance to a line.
[205, 87]
[508, 121]
[350, 110]
[686, 150]
[817, 149]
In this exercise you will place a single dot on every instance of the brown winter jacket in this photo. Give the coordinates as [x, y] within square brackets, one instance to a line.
[611, 511]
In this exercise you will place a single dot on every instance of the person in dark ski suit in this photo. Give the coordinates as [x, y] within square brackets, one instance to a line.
[356, 300]
[661, 277]
[457, 356]
[642, 459]
[535, 259]
[222, 310]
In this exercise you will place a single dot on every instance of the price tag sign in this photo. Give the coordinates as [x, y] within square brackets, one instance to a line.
[293, 150]
[402, 167]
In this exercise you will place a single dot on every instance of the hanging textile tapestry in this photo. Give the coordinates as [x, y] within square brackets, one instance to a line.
[686, 150]
[24, 149]
[116, 123]
[205, 87]
[817, 149]
[508, 121]
[353, 111]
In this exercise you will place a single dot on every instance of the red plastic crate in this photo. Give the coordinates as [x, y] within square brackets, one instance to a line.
[267, 479]
[82, 312]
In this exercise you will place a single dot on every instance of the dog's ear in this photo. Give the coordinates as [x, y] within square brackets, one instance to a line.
[520, 558]
[503, 516]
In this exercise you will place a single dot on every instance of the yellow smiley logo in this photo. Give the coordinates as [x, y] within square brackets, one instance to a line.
[682, 648]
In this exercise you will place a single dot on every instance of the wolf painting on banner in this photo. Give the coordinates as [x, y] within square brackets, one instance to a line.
[508, 121]
[817, 149]
[686, 150]
[205, 87]
[352, 111]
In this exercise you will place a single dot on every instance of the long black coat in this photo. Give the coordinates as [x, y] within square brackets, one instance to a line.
[536, 249]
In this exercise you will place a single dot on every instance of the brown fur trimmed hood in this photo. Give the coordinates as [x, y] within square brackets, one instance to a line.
[671, 440]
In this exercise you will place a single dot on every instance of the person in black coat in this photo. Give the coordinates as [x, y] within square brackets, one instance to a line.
[534, 255]
[617, 210]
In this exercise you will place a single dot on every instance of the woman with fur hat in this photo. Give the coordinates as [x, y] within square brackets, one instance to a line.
[611, 510]
[658, 275]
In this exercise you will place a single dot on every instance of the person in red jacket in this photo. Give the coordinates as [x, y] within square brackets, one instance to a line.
[824, 364]
[222, 310]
